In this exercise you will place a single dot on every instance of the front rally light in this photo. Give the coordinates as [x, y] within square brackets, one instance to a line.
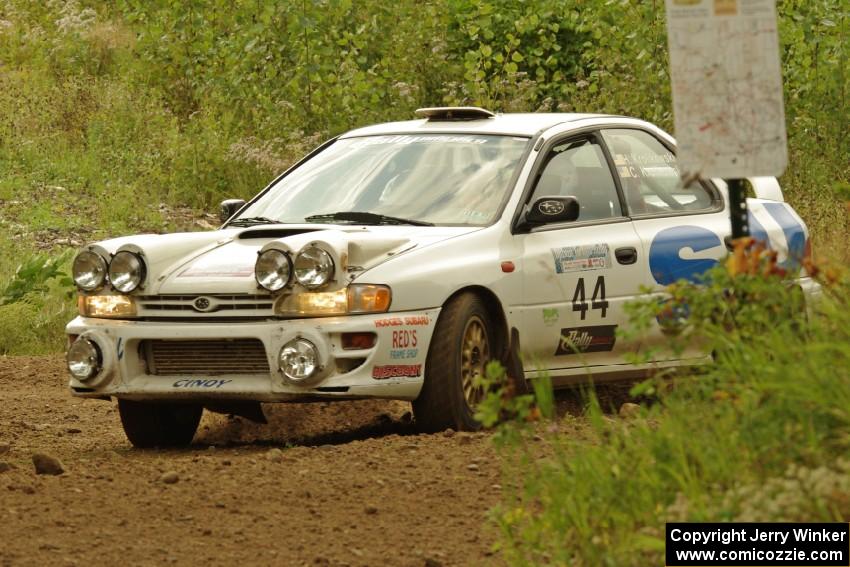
[272, 270]
[89, 270]
[314, 267]
[126, 271]
[107, 306]
[299, 360]
[84, 359]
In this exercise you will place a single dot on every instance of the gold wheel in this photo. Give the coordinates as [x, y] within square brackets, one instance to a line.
[474, 354]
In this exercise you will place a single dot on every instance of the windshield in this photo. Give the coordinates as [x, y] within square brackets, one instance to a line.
[434, 179]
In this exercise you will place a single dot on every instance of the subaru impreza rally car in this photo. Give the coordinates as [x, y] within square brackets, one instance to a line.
[396, 260]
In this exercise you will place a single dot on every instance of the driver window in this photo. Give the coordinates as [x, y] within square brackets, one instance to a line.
[649, 175]
[578, 168]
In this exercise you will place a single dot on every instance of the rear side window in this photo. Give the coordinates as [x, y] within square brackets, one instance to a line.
[577, 168]
[649, 174]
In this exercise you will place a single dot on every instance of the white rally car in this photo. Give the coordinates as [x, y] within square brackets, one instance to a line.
[395, 260]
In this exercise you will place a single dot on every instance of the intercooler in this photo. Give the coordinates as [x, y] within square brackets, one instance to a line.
[204, 357]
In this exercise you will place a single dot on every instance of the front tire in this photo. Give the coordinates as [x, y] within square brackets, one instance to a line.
[464, 341]
[153, 424]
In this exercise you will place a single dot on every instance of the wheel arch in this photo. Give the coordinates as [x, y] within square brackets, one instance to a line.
[494, 308]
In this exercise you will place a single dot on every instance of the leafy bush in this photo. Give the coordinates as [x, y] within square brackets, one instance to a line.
[737, 441]
[35, 303]
[33, 276]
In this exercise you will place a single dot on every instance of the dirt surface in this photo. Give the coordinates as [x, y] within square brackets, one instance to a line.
[347, 483]
[322, 484]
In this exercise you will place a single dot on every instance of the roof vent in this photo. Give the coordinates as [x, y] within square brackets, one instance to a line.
[449, 113]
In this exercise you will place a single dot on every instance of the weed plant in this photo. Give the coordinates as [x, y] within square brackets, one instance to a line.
[761, 434]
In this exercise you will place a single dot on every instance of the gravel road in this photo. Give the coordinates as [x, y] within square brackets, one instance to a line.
[323, 484]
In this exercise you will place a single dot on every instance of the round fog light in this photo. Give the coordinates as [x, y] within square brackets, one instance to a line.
[84, 359]
[299, 360]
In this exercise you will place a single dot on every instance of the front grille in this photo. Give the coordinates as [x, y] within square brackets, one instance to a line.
[209, 305]
[204, 357]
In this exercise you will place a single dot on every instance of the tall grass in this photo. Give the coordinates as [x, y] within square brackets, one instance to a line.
[760, 435]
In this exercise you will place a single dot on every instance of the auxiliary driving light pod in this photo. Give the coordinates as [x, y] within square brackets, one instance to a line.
[126, 271]
[299, 360]
[84, 359]
[314, 267]
[89, 270]
[273, 270]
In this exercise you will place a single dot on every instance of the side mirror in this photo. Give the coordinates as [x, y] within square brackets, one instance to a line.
[229, 208]
[547, 210]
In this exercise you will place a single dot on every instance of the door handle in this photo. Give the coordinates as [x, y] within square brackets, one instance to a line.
[626, 255]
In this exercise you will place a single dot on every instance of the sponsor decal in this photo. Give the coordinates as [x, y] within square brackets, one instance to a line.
[404, 339]
[665, 253]
[210, 384]
[401, 353]
[600, 338]
[704, 247]
[407, 139]
[397, 371]
[550, 316]
[411, 321]
[476, 215]
[218, 271]
[580, 258]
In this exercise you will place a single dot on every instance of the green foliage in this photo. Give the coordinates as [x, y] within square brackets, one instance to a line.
[35, 303]
[503, 404]
[757, 436]
[33, 276]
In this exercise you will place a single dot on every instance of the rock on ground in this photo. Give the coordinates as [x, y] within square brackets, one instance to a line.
[45, 464]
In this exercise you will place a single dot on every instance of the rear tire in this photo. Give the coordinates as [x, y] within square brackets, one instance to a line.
[156, 424]
[464, 341]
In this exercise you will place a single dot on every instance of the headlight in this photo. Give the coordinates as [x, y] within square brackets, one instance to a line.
[106, 306]
[314, 267]
[356, 299]
[298, 359]
[272, 270]
[126, 271]
[84, 359]
[89, 270]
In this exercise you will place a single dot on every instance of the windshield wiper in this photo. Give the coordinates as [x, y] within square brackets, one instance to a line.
[362, 217]
[252, 221]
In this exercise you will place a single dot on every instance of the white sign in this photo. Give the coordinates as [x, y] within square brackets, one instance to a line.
[727, 88]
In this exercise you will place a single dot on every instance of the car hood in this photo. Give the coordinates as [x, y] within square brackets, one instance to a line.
[222, 261]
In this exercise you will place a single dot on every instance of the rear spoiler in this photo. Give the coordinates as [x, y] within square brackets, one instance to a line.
[767, 188]
[764, 188]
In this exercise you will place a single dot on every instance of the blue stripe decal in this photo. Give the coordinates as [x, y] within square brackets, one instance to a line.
[795, 234]
[757, 231]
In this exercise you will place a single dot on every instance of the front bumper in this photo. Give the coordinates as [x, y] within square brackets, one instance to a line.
[393, 368]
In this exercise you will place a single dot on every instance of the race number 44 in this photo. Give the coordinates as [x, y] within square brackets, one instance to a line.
[597, 300]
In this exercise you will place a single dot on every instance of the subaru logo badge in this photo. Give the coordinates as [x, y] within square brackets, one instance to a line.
[203, 304]
[551, 207]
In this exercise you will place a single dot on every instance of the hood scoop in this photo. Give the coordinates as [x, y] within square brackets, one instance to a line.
[274, 232]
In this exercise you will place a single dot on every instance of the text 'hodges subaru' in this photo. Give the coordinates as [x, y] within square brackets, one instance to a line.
[396, 260]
